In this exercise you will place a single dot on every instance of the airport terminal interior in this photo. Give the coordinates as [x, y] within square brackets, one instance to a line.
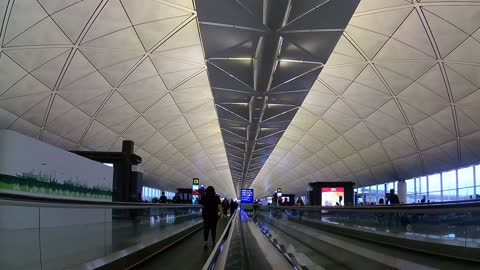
[239, 134]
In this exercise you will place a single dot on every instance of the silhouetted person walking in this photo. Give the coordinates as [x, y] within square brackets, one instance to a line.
[211, 208]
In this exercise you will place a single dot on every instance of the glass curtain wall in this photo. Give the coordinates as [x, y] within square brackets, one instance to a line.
[460, 184]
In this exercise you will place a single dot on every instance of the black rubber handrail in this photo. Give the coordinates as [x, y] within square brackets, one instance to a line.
[48, 202]
[212, 259]
[463, 205]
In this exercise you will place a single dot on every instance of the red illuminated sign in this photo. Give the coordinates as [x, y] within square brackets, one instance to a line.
[333, 189]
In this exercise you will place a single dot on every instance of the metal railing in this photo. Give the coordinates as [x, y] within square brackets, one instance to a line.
[447, 227]
[57, 235]
[222, 244]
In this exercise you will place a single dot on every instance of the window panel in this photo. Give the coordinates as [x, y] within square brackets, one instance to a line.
[367, 194]
[391, 186]
[434, 183]
[449, 180]
[449, 195]
[410, 186]
[465, 177]
[410, 198]
[465, 193]
[423, 184]
[435, 196]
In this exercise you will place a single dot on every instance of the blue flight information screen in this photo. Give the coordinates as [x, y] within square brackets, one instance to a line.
[246, 195]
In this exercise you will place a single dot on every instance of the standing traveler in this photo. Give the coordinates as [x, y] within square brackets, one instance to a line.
[163, 198]
[211, 208]
[225, 205]
[392, 198]
[233, 207]
[176, 198]
[299, 202]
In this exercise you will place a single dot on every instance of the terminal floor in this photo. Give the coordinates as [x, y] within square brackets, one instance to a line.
[188, 254]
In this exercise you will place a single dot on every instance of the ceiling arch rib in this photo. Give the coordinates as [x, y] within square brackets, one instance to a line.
[262, 58]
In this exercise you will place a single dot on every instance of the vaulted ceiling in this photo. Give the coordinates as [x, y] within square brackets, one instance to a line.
[85, 75]
[397, 98]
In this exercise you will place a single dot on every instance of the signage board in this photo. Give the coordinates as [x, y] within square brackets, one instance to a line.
[195, 192]
[246, 195]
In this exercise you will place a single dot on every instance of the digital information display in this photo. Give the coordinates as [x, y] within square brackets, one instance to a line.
[246, 196]
[332, 196]
[195, 193]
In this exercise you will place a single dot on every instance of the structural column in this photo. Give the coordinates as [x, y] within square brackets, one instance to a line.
[402, 191]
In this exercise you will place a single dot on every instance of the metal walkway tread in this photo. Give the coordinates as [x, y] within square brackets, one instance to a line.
[188, 254]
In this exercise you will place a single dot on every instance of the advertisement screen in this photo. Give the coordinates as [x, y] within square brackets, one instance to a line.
[332, 196]
[246, 196]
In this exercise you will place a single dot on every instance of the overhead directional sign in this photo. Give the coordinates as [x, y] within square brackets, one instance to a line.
[246, 195]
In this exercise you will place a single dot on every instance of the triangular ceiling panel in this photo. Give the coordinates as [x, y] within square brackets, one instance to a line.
[142, 94]
[469, 21]
[144, 70]
[125, 39]
[376, 21]
[111, 19]
[49, 72]
[115, 73]
[23, 23]
[144, 11]
[20, 105]
[37, 113]
[468, 51]
[185, 37]
[151, 33]
[175, 78]
[71, 16]
[28, 85]
[447, 36]
[412, 33]
[369, 42]
[45, 32]
[79, 67]
[370, 5]
[33, 58]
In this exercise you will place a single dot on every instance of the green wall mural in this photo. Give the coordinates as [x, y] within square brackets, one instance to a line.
[38, 182]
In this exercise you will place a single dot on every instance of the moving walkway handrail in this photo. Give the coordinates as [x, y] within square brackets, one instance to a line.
[89, 204]
[437, 207]
[212, 259]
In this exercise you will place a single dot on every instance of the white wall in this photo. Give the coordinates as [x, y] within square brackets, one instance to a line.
[21, 154]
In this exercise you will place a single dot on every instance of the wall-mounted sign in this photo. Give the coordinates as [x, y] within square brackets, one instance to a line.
[246, 195]
[33, 168]
[195, 192]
